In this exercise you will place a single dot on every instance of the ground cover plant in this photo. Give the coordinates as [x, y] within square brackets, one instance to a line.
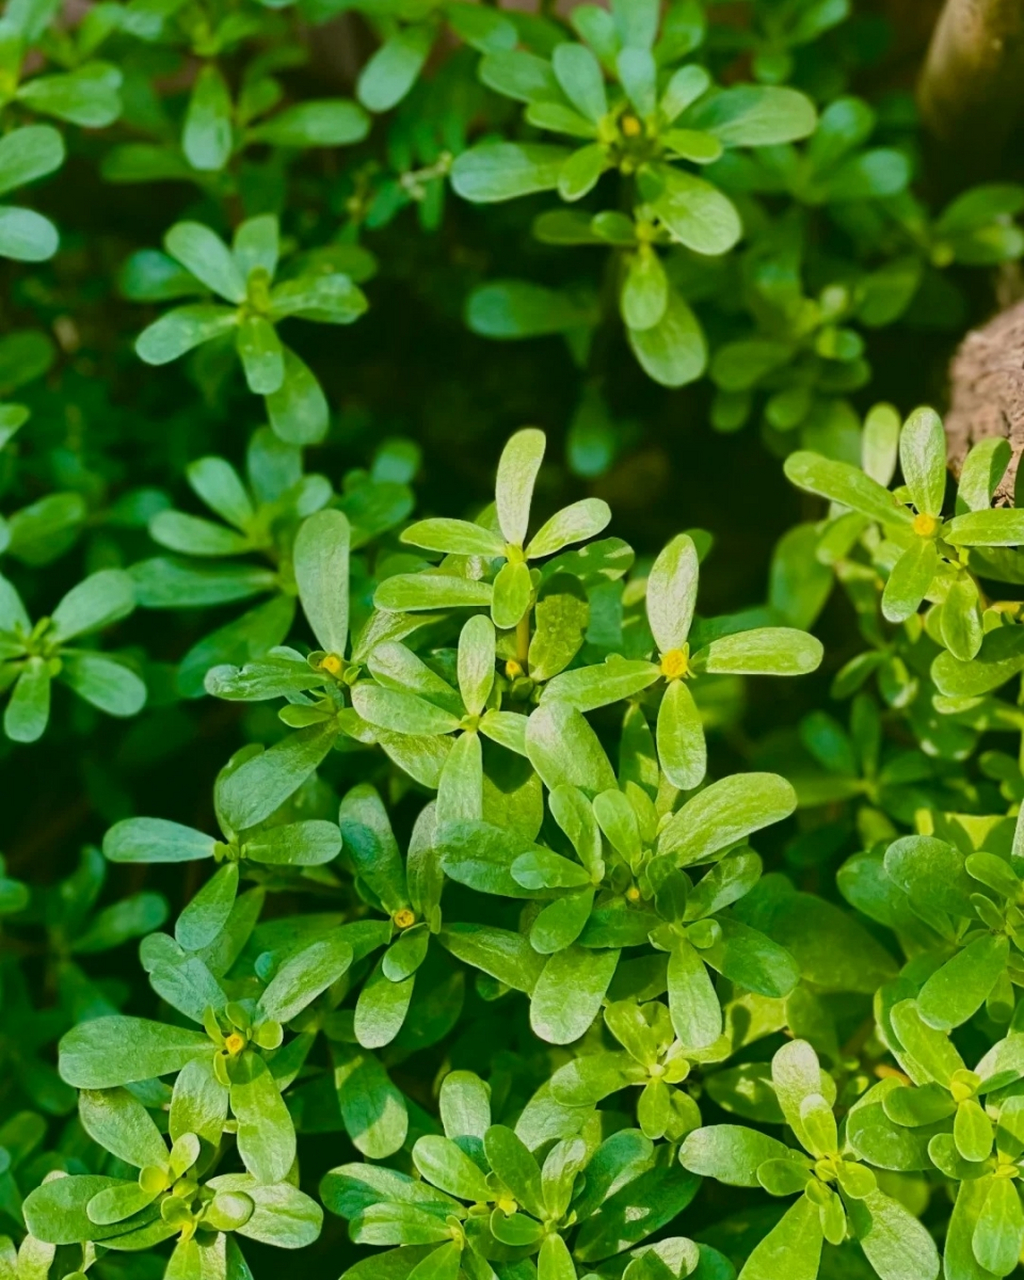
[511, 755]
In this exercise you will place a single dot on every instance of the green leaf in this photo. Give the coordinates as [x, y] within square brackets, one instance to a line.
[513, 590]
[28, 710]
[932, 872]
[520, 75]
[27, 154]
[579, 75]
[897, 1245]
[983, 468]
[638, 75]
[303, 977]
[495, 171]
[673, 351]
[320, 559]
[259, 786]
[401, 712]
[26, 236]
[261, 354]
[481, 856]
[371, 845]
[932, 1054]
[636, 1210]
[328, 122]
[682, 749]
[447, 1167]
[910, 580]
[672, 593]
[515, 1165]
[576, 523]
[56, 1212]
[373, 1110]
[587, 688]
[98, 601]
[207, 136]
[208, 912]
[569, 992]
[517, 472]
[999, 1231]
[504, 955]
[266, 1135]
[565, 751]
[695, 213]
[413, 592]
[923, 460]
[87, 96]
[797, 1077]
[182, 329]
[155, 840]
[693, 1004]
[476, 663]
[510, 309]
[644, 291]
[209, 259]
[960, 987]
[730, 1153]
[392, 70]
[381, 1008]
[455, 537]
[847, 485]
[792, 1247]
[752, 961]
[725, 813]
[298, 411]
[1001, 528]
[1000, 657]
[104, 682]
[112, 1051]
[778, 651]
[256, 244]
[121, 1124]
[755, 116]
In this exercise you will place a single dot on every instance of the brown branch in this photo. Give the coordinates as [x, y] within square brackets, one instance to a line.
[971, 90]
[987, 393]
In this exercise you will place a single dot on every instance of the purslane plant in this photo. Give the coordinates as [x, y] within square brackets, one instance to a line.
[523, 903]
[251, 307]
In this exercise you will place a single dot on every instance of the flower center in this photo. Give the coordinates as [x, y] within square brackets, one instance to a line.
[924, 526]
[404, 918]
[675, 664]
[234, 1043]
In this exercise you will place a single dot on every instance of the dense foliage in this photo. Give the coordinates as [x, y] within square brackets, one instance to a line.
[388, 834]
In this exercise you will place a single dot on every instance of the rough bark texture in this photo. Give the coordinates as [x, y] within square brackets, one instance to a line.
[987, 392]
[971, 90]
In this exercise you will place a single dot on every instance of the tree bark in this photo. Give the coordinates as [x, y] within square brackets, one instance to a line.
[971, 90]
[987, 393]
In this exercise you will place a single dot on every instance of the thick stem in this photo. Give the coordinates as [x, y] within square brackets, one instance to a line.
[523, 639]
[971, 90]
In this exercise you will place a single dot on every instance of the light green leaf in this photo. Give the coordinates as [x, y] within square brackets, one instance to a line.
[320, 558]
[495, 171]
[847, 485]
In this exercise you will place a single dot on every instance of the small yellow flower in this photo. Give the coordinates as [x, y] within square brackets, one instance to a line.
[404, 918]
[234, 1043]
[331, 664]
[633, 893]
[631, 126]
[924, 526]
[513, 669]
[675, 664]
